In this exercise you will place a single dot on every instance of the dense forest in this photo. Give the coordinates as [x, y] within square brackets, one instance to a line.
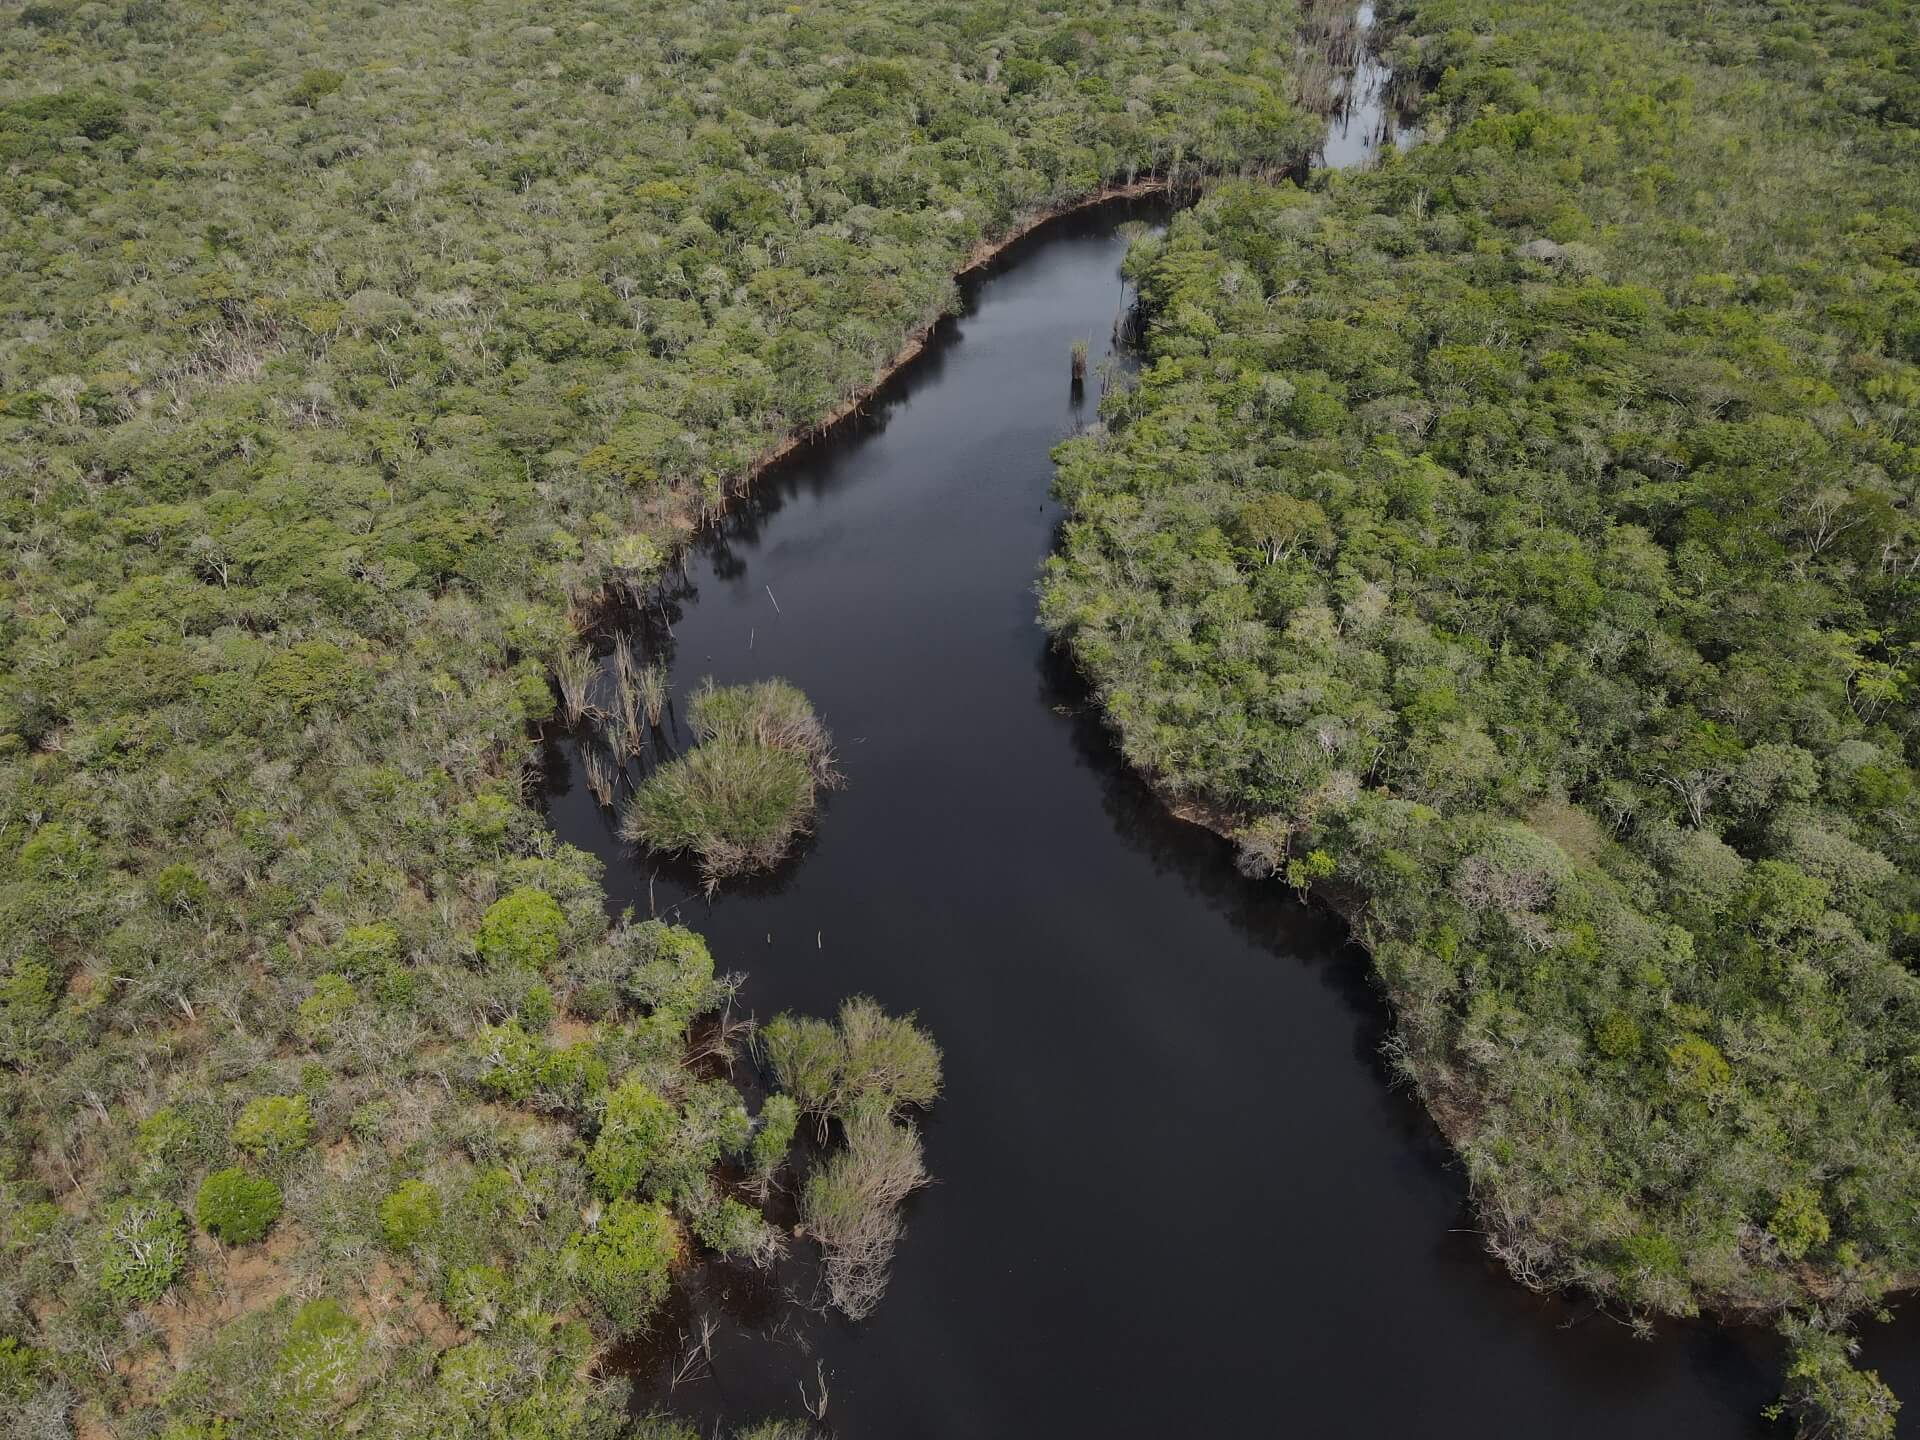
[1516, 543]
[349, 355]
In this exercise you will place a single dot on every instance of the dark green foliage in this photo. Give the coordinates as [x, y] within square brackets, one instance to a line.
[346, 364]
[1523, 533]
[236, 1207]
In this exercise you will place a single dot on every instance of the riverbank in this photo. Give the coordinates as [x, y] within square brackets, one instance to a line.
[1418, 546]
[983, 253]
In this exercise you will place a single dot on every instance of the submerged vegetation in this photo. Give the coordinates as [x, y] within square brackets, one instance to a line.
[739, 798]
[1519, 541]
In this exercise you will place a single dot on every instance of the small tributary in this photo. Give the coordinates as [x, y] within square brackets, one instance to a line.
[1177, 1193]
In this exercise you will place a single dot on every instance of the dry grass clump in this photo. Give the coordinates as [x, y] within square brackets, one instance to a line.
[851, 1205]
[738, 798]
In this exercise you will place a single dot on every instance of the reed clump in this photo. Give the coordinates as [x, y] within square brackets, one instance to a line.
[739, 798]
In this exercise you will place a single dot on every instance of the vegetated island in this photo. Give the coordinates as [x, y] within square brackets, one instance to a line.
[1518, 543]
[738, 799]
[347, 367]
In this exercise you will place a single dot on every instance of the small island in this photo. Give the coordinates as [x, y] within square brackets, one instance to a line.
[739, 798]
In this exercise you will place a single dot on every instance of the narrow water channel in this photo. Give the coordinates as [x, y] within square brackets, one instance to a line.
[1176, 1191]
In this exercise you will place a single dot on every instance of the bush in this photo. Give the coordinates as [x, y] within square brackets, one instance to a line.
[740, 797]
[145, 1244]
[1799, 1224]
[634, 1135]
[313, 86]
[851, 1206]
[736, 1231]
[622, 1263]
[674, 972]
[522, 929]
[18, 1369]
[410, 1215]
[475, 1296]
[235, 1207]
[772, 1137]
[274, 1124]
[870, 1057]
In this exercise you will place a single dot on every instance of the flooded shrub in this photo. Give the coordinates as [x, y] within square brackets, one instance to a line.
[739, 798]
[868, 1056]
[772, 1137]
[235, 1207]
[737, 1231]
[806, 1056]
[851, 1206]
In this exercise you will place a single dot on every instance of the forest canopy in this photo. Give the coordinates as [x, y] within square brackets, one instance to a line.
[1518, 542]
[346, 353]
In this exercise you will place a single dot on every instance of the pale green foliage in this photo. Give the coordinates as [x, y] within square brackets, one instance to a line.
[273, 1124]
[869, 1056]
[410, 1215]
[522, 929]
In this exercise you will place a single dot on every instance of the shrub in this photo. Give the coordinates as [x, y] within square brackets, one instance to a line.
[313, 86]
[522, 929]
[622, 1263]
[738, 799]
[235, 1207]
[870, 1056]
[674, 972]
[886, 1057]
[805, 1055]
[851, 1206]
[364, 950]
[779, 1118]
[274, 1124]
[333, 996]
[1798, 1223]
[633, 1137]
[736, 1231]
[320, 1357]
[145, 1247]
[18, 1369]
[409, 1215]
[475, 1295]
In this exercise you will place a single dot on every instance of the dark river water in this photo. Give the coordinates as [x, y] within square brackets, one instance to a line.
[1176, 1193]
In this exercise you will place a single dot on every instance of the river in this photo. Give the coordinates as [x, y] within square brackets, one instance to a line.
[1176, 1193]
